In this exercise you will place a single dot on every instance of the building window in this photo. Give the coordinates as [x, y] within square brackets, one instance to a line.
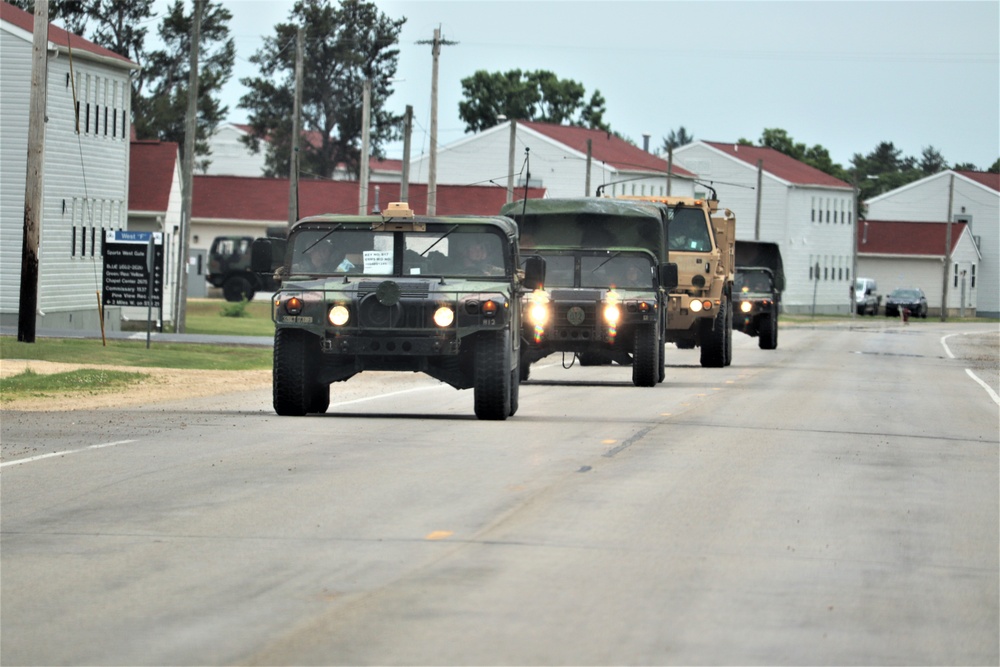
[973, 276]
[813, 211]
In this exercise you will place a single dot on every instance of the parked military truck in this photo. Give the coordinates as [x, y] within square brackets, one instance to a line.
[397, 292]
[229, 266]
[760, 279]
[699, 310]
[606, 283]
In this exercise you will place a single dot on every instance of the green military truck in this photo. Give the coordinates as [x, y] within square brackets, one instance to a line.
[760, 280]
[229, 266]
[699, 311]
[606, 282]
[397, 292]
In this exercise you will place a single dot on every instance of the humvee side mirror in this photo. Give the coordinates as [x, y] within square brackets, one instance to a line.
[668, 275]
[534, 272]
[267, 254]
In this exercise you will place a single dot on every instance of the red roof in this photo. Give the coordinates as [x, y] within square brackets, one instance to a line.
[984, 178]
[778, 164]
[250, 198]
[151, 174]
[26, 21]
[888, 237]
[605, 147]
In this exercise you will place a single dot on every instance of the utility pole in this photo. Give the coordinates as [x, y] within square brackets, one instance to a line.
[760, 178]
[510, 160]
[33, 194]
[670, 166]
[590, 160]
[187, 170]
[366, 113]
[293, 161]
[436, 45]
[947, 251]
[404, 186]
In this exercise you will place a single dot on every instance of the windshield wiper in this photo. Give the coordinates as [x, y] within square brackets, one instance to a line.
[605, 261]
[439, 240]
[323, 238]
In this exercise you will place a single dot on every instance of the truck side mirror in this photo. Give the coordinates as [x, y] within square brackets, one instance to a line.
[266, 255]
[668, 276]
[534, 273]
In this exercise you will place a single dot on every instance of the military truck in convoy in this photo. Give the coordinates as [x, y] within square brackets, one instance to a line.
[760, 279]
[699, 310]
[606, 283]
[397, 292]
[229, 266]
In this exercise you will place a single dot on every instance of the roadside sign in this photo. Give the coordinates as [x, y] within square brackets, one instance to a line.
[133, 268]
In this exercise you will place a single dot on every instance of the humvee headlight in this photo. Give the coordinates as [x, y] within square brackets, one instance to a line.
[644, 307]
[490, 308]
[746, 306]
[612, 313]
[538, 314]
[339, 315]
[293, 306]
[695, 306]
[444, 316]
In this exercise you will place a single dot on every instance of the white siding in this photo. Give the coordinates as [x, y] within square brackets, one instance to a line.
[230, 157]
[85, 179]
[927, 201]
[805, 222]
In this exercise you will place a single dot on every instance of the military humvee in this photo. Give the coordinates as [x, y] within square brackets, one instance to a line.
[397, 292]
[606, 282]
[760, 279]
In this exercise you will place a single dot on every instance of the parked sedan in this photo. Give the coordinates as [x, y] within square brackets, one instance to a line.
[911, 298]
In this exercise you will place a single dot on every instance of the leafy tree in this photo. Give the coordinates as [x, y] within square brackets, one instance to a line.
[676, 138]
[539, 96]
[72, 14]
[592, 115]
[816, 156]
[162, 114]
[931, 161]
[995, 169]
[344, 46]
[965, 166]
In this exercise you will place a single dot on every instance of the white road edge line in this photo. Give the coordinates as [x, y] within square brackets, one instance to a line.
[989, 389]
[125, 442]
[64, 453]
[968, 371]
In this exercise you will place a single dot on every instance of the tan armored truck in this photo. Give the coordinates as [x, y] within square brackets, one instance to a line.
[701, 240]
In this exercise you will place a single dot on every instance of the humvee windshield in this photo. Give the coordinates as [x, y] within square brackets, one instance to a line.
[603, 270]
[753, 281]
[443, 250]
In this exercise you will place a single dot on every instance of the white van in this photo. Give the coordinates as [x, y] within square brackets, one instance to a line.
[866, 296]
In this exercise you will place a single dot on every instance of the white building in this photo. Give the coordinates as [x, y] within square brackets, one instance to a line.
[555, 157]
[807, 212]
[231, 157]
[85, 173]
[912, 254]
[969, 197]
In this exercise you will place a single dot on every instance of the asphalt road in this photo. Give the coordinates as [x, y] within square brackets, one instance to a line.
[834, 501]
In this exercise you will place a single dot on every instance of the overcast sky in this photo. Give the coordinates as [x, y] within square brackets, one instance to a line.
[843, 74]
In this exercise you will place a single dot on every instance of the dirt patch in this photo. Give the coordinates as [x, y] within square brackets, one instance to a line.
[162, 384]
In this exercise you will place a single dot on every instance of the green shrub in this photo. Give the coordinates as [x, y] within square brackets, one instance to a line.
[236, 309]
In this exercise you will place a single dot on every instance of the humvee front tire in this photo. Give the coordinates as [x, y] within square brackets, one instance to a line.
[713, 338]
[767, 332]
[492, 376]
[645, 361]
[293, 384]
